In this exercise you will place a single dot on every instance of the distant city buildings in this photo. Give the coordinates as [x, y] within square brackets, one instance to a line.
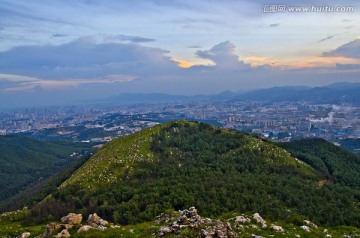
[283, 121]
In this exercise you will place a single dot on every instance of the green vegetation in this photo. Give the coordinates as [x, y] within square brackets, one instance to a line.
[336, 164]
[181, 164]
[27, 163]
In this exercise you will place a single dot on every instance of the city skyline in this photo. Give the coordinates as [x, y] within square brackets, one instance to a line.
[70, 51]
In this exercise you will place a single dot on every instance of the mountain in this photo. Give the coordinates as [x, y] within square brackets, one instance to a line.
[26, 162]
[338, 165]
[334, 93]
[181, 164]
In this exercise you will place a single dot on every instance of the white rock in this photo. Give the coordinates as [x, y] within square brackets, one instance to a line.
[242, 219]
[309, 223]
[256, 236]
[24, 235]
[85, 228]
[259, 219]
[277, 228]
[305, 228]
[63, 233]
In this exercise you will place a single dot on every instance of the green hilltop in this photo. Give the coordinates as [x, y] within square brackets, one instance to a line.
[181, 164]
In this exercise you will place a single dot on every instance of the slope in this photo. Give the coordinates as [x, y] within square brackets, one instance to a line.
[338, 165]
[182, 164]
[24, 161]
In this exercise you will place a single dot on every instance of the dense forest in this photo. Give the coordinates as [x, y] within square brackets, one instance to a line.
[182, 164]
[26, 162]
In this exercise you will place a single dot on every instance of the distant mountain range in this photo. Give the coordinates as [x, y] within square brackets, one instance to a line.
[334, 93]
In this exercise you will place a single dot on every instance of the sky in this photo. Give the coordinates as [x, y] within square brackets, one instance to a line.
[54, 52]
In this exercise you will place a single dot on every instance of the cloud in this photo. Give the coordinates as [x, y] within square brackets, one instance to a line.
[86, 68]
[349, 50]
[84, 58]
[274, 25]
[347, 66]
[223, 55]
[327, 38]
[125, 38]
[194, 47]
[59, 35]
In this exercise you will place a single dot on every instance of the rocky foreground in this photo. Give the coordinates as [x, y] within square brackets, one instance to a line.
[70, 222]
[175, 224]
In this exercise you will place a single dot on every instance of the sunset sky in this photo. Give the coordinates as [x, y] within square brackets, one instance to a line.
[70, 50]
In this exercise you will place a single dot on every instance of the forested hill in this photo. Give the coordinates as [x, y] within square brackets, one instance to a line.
[181, 164]
[337, 165]
[24, 161]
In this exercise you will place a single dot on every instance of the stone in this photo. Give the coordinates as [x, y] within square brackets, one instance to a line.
[254, 226]
[305, 228]
[115, 226]
[50, 229]
[95, 221]
[220, 230]
[206, 221]
[63, 233]
[260, 220]
[103, 222]
[25, 235]
[101, 228]
[72, 219]
[85, 228]
[162, 218]
[277, 228]
[310, 224]
[93, 218]
[242, 219]
[256, 236]
[165, 230]
[68, 226]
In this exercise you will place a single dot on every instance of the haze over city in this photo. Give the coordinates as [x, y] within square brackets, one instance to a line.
[55, 52]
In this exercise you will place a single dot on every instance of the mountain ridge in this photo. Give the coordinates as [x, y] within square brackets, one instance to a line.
[181, 164]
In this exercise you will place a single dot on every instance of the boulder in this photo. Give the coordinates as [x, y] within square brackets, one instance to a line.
[72, 219]
[277, 228]
[220, 230]
[24, 235]
[242, 219]
[63, 233]
[50, 229]
[165, 230]
[93, 218]
[95, 221]
[305, 228]
[256, 236]
[260, 220]
[85, 228]
[310, 224]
